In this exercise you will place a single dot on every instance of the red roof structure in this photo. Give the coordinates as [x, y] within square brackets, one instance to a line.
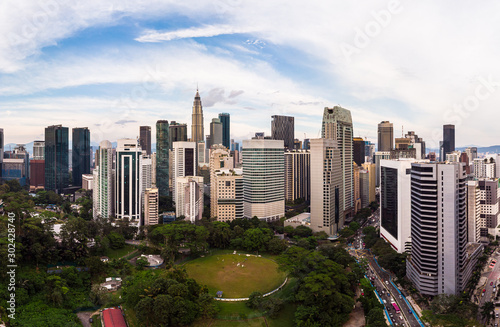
[113, 317]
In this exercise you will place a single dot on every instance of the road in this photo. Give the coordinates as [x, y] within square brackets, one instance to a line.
[382, 280]
[492, 276]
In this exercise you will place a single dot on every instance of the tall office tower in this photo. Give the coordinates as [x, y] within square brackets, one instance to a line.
[189, 197]
[369, 151]
[432, 156]
[145, 138]
[228, 186]
[484, 168]
[197, 126]
[417, 143]
[385, 136]
[226, 130]
[441, 262]
[37, 174]
[16, 165]
[297, 144]
[448, 139]
[395, 200]
[1, 150]
[177, 132]
[497, 166]
[337, 125]
[376, 158]
[358, 147]
[402, 143]
[208, 143]
[364, 187]
[128, 181]
[216, 129]
[56, 158]
[356, 187]
[81, 154]
[327, 212]
[297, 175]
[151, 201]
[474, 222]
[162, 157]
[147, 171]
[184, 162]
[283, 128]
[39, 150]
[104, 186]
[263, 182]
[219, 158]
[370, 168]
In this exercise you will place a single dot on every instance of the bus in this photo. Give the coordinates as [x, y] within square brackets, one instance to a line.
[395, 306]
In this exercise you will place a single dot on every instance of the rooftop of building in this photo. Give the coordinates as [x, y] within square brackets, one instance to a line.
[153, 260]
[113, 317]
[303, 219]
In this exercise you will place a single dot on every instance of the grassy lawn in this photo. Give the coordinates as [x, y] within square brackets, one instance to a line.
[222, 273]
[256, 322]
[285, 318]
[116, 254]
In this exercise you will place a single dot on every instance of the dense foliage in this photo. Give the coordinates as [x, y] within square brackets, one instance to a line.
[327, 280]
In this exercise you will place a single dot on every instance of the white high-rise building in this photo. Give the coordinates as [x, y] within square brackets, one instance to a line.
[153, 169]
[147, 171]
[129, 181]
[474, 222]
[395, 203]
[104, 183]
[441, 261]
[453, 156]
[327, 198]
[189, 197]
[39, 150]
[263, 179]
[297, 175]
[484, 168]
[184, 161]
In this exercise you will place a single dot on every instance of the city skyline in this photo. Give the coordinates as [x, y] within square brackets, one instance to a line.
[115, 66]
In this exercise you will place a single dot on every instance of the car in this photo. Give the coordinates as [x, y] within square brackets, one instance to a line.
[91, 320]
[387, 282]
[484, 290]
[400, 296]
[496, 315]
[409, 311]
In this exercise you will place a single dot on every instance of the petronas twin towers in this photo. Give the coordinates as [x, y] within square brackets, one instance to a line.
[197, 126]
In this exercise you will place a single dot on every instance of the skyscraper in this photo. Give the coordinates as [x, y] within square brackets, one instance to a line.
[39, 150]
[395, 200]
[145, 139]
[441, 262]
[228, 187]
[448, 139]
[128, 181]
[327, 200]
[337, 125]
[297, 175]
[151, 206]
[162, 157]
[177, 132]
[219, 158]
[283, 128]
[385, 136]
[197, 133]
[184, 161]
[81, 154]
[104, 178]
[189, 197]
[56, 158]
[216, 131]
[358, 145]
[226, 129]
[263, 182]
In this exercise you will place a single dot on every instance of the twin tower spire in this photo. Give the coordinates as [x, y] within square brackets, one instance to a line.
[197, 122]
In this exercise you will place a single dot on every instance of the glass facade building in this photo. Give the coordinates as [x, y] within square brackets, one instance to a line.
[162, 157]
[56, 158]
[80, 158]
[226, 131]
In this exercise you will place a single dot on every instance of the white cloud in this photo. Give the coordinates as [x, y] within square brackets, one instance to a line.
[205, 31]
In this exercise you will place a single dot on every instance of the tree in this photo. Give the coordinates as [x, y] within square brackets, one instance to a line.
[116, 241]
[256, 239]
[277, 245]
[141, 263]
[354, 226]
[254, 300]
[487, 311]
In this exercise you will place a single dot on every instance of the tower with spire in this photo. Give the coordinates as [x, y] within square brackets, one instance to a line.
[197, 125]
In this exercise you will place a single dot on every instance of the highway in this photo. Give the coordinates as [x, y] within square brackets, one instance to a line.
[490, 286]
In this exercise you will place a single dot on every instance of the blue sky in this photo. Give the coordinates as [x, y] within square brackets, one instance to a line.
[116, 65]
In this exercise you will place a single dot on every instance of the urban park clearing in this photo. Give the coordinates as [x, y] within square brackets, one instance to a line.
[236, 275]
